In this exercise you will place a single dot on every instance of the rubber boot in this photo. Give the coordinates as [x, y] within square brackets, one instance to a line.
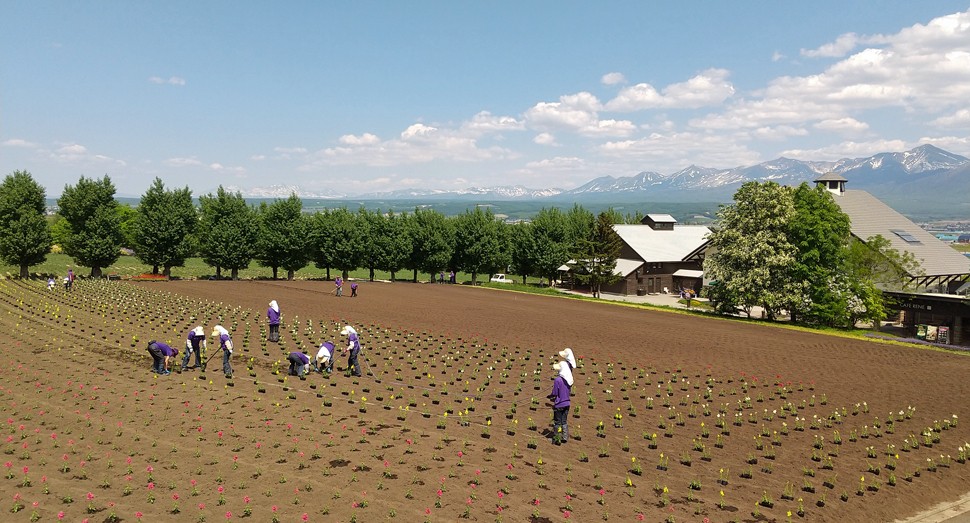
[565, 432]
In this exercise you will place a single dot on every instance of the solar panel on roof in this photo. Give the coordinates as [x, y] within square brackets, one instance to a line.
[905, 235]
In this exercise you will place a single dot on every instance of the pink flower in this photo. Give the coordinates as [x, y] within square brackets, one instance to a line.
[90, 496]
[151, 486]
[305, 517]
[274, 508]
[439, 493]
[568, 497]
[138, 515]
[354, 504]
[193, 482]
[201, 506]
[427, 511]
[602, 492]
[228, 514]
[500, 495]
[246, 499]
[565, 514]
[640, 517]
[221, 489]
[175, 496]
[60, 515]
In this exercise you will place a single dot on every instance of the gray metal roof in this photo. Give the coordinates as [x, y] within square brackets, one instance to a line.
[830, 176]
[663, 246]
[870, 217]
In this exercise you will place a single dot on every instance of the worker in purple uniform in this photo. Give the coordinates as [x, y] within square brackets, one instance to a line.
[299, 364]
[273, 313]
[225, 343]
[353, 290]
[194, 344]
[324, 359]
[339, 282]
[560, 405]
[161, 354]
[353, 350]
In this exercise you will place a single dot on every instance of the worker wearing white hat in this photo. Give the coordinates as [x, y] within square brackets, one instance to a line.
[567, 354]
[353, 349]
[194, 343]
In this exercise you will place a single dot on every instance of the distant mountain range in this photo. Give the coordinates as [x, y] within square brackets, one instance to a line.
[924, 173]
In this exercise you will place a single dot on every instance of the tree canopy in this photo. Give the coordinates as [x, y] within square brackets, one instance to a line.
[283, 236]
[163, 227]
[93, 225]
[25, 238]
[228, 231]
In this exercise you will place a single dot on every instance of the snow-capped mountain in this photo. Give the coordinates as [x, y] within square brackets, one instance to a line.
[880, 174]
[283, 191]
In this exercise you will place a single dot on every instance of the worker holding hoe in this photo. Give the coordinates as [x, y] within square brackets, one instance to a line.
[324, 359]
[225, 343]
[299, 364]
[353, 350]
[339, 283]
[273, 313]
[194, 344]
[161, 354]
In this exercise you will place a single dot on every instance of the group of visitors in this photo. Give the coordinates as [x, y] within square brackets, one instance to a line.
[68, 281]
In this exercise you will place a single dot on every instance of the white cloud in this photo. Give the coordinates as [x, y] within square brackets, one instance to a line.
[847, 150]
[674, 150]
[613, 79]
[174, 80]
[841, 46]
[778, 133]
[238, 171]
[706, 89]
[486, 122]
[419, 143]
[559, 163]
[577, 113]
[546, 139]
[921, 68]
[73, 149]
[258, 157]
[846, 126]
[777, 56]
[17, 142]
[181, 162]
[957, 120]
[364, 139]
[77, 154]
[290, 150]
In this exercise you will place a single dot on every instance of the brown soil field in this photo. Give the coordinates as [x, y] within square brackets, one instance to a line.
[450, 420]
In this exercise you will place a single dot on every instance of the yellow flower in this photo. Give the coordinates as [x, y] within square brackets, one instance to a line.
[634, 460]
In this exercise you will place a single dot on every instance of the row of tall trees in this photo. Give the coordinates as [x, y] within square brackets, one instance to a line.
[167, 228]
[790, 249]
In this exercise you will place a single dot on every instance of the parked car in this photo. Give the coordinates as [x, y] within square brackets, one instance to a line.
[500, 278]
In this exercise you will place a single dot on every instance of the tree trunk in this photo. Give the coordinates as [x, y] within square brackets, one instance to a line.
[371, 274]
[154, 269]
[345, 274]
[524, 279]
[415, 276]
[275, 268]
[474, 278]
[167, 271]
[218, 272]
[25, 271]
[392, 276]
[235, 274]
[289, 274]
[95, 272]
[328, 273]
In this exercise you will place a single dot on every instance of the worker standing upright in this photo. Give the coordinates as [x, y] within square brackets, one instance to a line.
[353, 350]
[273, 314]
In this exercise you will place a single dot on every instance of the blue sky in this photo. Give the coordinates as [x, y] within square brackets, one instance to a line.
[357, 97]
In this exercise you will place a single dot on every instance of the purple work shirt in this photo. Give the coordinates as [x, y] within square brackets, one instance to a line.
[195, 339]
[274, 317]
[302, 357]
[560, 392]
[165, 349]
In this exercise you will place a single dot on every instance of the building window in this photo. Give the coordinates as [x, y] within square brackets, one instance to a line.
[907, 237]
[656, 265]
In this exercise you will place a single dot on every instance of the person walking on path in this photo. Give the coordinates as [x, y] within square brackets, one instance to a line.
[353, 290]
[194, 344]
[70, 279]
[560, 403]
[451, 278]
[324, 359]
[225, 343]
[339, 282]
[273, 313]
[353, 350]
[161, 354]
[442, 279]
[299, 364]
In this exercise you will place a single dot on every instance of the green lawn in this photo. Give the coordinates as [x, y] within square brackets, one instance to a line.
[128, 266]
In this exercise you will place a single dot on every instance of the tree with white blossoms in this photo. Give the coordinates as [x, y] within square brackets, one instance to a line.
[751, 255]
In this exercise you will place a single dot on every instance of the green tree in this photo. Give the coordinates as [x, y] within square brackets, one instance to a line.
[551, 237]
[162, 232]
[25, 238]
[595, 256]
[283, 236]
[228, 231]
[874, 266]
[752, 256]
[523, 248]
[480, 245]
[128, 216]
[432, 238]
[94, 225]
[820, 233]
[395, 244]
[336, 241]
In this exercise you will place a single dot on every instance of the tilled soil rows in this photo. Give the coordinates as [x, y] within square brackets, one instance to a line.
[673, 417]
